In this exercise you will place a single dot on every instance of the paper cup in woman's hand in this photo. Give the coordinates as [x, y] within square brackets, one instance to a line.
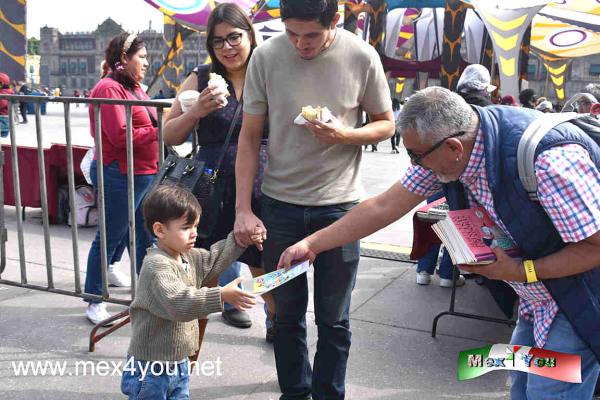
[187, 99]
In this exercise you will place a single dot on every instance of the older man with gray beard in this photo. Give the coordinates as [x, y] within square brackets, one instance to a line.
[470, 152]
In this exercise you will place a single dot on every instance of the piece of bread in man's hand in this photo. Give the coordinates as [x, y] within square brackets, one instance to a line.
[311, 113]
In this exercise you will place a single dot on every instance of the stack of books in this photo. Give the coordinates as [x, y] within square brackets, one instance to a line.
[434, 211]
[468, 235]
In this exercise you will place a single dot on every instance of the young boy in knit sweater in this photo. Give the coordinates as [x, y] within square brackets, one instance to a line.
[170, 297]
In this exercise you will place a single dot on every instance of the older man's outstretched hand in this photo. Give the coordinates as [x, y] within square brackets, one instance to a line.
[299, 252]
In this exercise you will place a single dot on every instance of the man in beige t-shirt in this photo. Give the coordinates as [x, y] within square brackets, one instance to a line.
[312, 177]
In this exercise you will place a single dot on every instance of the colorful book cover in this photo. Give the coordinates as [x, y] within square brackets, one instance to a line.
[478, 232]
[267, 282]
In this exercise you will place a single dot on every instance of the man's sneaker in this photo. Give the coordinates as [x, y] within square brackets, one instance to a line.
[423, 278]
[448, 282]
[117, 278]
[96, 313]
[237, 318]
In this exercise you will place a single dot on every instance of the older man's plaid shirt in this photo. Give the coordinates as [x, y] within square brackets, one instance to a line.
[568, 188]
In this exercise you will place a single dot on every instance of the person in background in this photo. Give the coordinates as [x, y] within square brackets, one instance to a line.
[77, 94]
[230, 41]
[546, 107]
[427, 264]
[4, 104]
[159, 95]
[395, 140]
[126, 63]
[24, 91]
[584, 103]
[509, 100]
[539, 100]
[474, 85]
[528, 98]
[593, 89]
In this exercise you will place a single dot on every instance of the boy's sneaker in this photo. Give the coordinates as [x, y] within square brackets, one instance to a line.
[96, 313]
[447, 283]
[423, 278]
[117, 278]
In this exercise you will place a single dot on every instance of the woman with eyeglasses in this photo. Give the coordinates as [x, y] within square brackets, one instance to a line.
[230, 40]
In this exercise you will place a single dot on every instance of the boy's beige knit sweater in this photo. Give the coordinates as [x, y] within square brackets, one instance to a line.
[169, 300]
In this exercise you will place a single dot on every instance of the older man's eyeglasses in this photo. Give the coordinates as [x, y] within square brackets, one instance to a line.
[234, 39]
[418, 158]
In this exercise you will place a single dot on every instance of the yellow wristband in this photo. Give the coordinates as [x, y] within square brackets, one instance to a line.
[530, 271]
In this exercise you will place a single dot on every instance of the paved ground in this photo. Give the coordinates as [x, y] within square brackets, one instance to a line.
[393, 355]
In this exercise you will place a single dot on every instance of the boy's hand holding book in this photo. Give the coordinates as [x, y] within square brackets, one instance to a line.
[505, 268]
[237, 297]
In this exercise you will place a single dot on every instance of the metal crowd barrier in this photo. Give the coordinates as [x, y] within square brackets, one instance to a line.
[67, 101]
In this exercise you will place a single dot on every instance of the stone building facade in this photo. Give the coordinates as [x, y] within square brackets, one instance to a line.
[582, 71]
[72, 61]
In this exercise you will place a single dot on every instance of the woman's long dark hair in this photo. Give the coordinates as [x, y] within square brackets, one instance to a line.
[233, 15]
[112, 57]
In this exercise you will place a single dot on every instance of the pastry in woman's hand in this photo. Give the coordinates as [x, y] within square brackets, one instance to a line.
[217, 81]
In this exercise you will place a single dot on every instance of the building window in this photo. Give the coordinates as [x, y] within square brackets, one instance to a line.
[595, 69]
[72, 67]
[82, 67]
[63, 67]
[531, 69]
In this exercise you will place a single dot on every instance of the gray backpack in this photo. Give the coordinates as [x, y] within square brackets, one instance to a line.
[536, 131]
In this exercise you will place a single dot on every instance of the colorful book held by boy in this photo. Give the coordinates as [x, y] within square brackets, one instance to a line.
[270, 281]
[468, 234]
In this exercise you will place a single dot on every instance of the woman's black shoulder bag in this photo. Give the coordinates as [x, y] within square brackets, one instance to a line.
[204, 183]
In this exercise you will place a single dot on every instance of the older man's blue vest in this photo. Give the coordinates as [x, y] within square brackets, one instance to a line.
[578, 296]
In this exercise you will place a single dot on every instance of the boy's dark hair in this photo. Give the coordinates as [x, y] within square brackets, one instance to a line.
[168, 202]
[309, 10]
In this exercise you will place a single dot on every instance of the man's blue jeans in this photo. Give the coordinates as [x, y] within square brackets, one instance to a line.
[117, 228]
[156, 380]
[561, 338]
[334, 279]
